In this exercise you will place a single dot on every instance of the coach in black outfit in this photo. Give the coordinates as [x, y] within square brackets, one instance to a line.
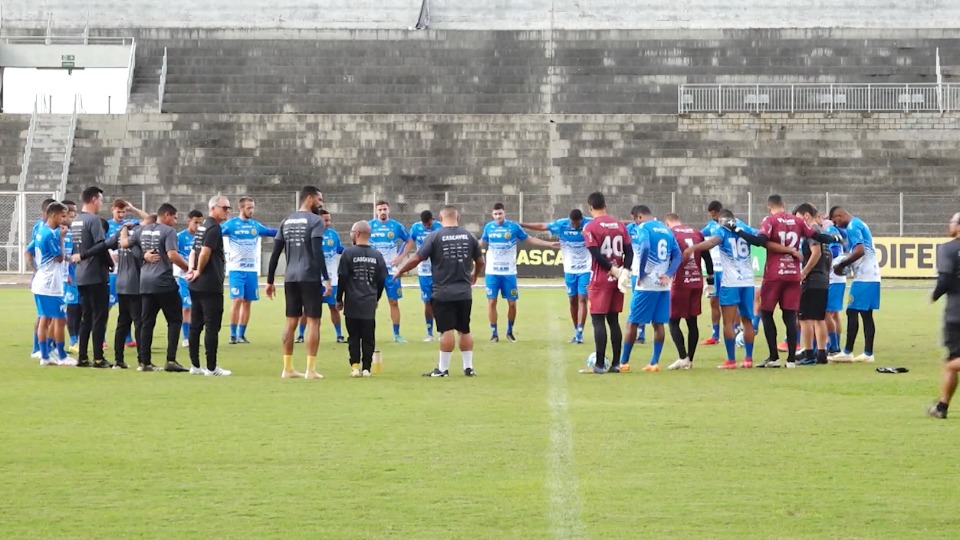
[362, 274]
[207, 270]
[92, 274]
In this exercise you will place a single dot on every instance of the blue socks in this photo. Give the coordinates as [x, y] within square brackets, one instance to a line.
[657, 349]
[233, 330]
[185, 328]
[756, 323]
[493, 327]
[731, 345]
[749, 348]
[337, 328]
[396, 330]
[509, 327]
[834, 341]
[303, 327]
[36, 343]
[716, 332]
[60, 350]
[429, 322]
[579, 330]
[625, 354]
[242, 330]
[45, 349]
[643, 331]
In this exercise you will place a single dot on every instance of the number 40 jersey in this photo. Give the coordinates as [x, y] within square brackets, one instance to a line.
[610, 236]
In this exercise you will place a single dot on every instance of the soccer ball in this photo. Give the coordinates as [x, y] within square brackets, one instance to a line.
[592, 360]
[740, 342]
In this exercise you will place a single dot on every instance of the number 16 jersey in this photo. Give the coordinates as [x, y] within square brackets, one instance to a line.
[610, 236]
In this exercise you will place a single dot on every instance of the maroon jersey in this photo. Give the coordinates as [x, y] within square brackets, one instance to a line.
[610, 236]
[787, 230]
[689, 275]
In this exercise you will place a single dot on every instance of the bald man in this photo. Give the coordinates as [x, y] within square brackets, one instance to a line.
[362, 273]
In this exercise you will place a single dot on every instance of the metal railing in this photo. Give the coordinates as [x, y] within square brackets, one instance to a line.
[163, 81]
[131, 66]
[28, 148]
[66, 40]
[790, 98]
[68, 151]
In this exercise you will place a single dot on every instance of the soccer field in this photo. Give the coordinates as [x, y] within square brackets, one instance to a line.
[528, 449]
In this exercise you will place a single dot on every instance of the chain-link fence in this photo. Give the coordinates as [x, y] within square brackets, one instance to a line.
[18, 212]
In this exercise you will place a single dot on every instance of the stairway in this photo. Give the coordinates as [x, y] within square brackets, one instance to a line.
[50, 140]
[146, 81]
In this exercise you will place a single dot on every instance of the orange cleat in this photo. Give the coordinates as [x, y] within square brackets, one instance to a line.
[652, 368]
[624, 368]
[747, 363]
[728, 364]
[710, 341]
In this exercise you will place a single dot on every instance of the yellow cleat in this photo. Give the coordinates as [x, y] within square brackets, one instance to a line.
[652, 368]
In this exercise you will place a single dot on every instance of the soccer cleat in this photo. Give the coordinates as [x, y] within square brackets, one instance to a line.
[121, 365]
[625, 368]
[615, 369]
[791, 365]
[437, 373]
[233, 340]
[218, 372]
[354, 370]
[710, 341]
[147, 368]
[681, 363]
[652, 368]
[427, 339]
[84, 363]
[175, 367]
[366, 373]
[782, 346]
[36, 356]
[935, 412]
[728, 364]
[511, 338]
[573, 339]
[185, 343]
[315, 375]
[294, 374]
[102, 364]
[747, 363]
[640, 340]
[469, 372]
[494, 338]
[242, 340]
[74, 348]
[769, 363]
[807, 361]
[840, 358]
[49, 362]
[399, 339]
[130, 344]
[299, 339]
[194, 370]
[864, 358]
[69, 361]
[341, 339]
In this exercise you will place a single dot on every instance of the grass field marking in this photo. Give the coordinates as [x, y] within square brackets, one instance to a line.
[565, 504]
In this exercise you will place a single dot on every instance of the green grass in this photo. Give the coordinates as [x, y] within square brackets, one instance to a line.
[529, 449]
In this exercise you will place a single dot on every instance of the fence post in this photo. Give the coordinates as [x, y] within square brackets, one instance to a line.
[750, 208]
[758, 98]
[792, 99]
[831, 98]
[673, 202]
[21, 218]
[827, 198]
[143, 201]
[719, 99]
[446, 198]
[869, 98]
[296, 205]
[901, 213]
[373, 209]
[520, 212]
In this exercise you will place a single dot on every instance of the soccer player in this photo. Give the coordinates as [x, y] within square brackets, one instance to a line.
[158, 287]
[659, 257]
[576, 264]
[71, 295]
[456, 260]
[47, 249]
[836, 291]
[418, 233]
[129, 302]
[500, 238]
[92, 269]
[40, 222]
[948, 284]
[781, 234]
[865, 287]
[207, 268]
[814, 285]
[305, 279]
[736, 290]
[714, 276]
[119, 210]
[362, 275]
[390, 238]
[332, 250]
[243, 245]
[185, 239]
[686, 292]
[609, 244]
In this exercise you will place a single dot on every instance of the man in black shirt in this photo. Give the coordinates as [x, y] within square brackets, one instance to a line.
[456, 258]
[814, 289]
[362, 274]
[205, 276]
[301, 237]
[948, 283]
[92, 275]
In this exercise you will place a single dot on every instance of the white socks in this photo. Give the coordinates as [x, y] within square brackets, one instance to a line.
[445, 360]
[444, 364]
[467, 359]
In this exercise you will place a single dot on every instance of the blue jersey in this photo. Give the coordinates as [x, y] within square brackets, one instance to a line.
[69, 269]
[113, 227]
[866, 268]
[48, 281]
[659, 255]
[502, 243]
[419, 232]
[708, 230]
[388, 237]
[185, 241]
[244, 243]
[573, 249]
[332, 248]
[735, 256]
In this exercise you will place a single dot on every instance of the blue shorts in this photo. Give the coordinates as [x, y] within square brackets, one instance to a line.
[113, 290]
[71, 295]
[329, 300]
[649, 307]
[835, 296]
[244, 285]
[576, 284]
[742, 297]
[506, 286]
[51, 307]
[394, 292]
[426, 288]
[716, 284]
[184, 293]
[864, 296]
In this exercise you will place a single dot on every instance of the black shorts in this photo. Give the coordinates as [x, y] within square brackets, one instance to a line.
[452, 315]
[951, 339]
[813, 304]
[303, 298]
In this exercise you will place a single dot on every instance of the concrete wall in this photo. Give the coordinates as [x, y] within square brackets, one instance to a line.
[420, 161]
[54, 56]
[490, 14]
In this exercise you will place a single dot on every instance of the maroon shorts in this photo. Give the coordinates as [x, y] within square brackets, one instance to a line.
[605, 300]
[685, 303]
[785, 293]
